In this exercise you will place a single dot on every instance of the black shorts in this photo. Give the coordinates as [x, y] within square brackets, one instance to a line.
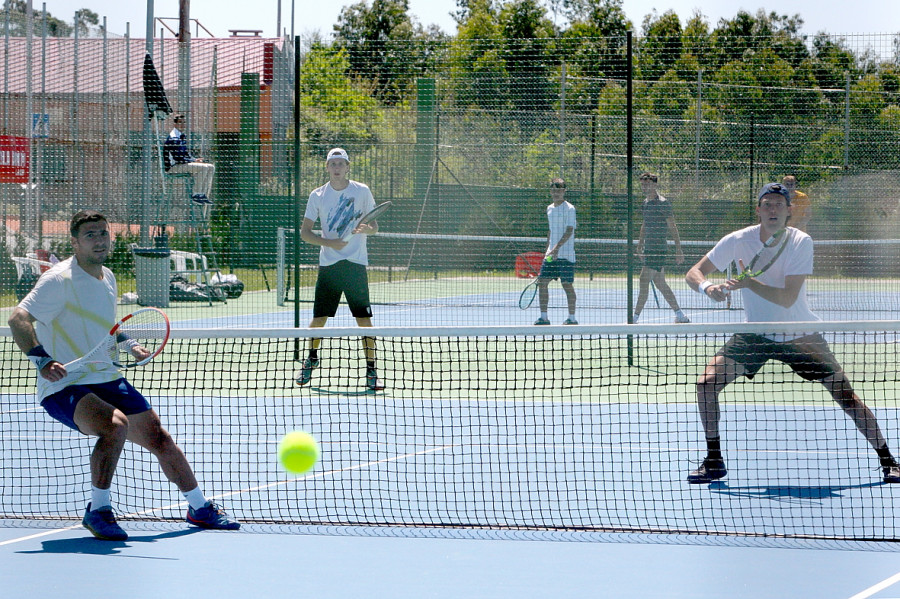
[655, 257]
[808, 356]
[347, 278]
[558, 269]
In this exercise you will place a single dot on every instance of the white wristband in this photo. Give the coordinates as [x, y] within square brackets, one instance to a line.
[704, 286]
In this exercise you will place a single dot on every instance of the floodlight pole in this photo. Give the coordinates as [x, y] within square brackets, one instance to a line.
[30, 221]
[184, 64]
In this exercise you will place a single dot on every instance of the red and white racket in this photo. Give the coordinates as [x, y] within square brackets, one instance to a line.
[133, 341]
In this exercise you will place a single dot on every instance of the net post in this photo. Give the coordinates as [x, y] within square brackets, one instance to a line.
[629, 202]
[297, 193]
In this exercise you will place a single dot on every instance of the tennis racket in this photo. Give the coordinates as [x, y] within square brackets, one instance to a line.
[653, 288]
[748, 272]
[133, 341]
[526, 298]
[372, 215]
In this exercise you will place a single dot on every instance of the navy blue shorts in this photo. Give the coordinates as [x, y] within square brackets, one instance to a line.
[119, 394]
[558, 269]
[342, 278]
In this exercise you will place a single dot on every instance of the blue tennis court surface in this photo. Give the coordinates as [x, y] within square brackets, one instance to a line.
[597, 304]
[162, 560]
[496, 469]
[565, 465]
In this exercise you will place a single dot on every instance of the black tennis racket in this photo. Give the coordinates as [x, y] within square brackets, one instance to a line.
[526, 298]
[133, 341]
[748, 273]
[372, 215]
[653, 289]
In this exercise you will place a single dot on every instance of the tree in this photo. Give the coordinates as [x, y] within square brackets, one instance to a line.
[504, 56]
[478, 72]
[464, 10]
[660, 45]
[695, 39]
[593, 47]
[385, 45]
[526, 34]
[831, 62]
[84, 18]
[55, 27]
[780, 33]
[336, 110]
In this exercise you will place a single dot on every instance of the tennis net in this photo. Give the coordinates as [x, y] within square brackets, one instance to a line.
[564, 428]
[853, 279]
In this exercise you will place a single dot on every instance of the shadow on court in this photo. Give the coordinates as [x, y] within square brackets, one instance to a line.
[88, 545]
[785, 492]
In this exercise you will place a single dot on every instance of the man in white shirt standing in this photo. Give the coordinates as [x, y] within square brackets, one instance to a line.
[775, 260]
[338, 206]
[559, 259]
[70, 310]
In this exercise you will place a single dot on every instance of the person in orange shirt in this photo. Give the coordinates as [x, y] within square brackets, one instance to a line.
[802, 207]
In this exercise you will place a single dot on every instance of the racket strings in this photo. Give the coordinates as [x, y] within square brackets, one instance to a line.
[141, 336]
[771, 250]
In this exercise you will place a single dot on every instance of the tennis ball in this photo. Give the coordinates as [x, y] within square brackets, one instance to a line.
[548, 258]
[298, 452]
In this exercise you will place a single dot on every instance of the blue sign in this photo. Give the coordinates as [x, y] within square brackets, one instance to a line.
[40, 125]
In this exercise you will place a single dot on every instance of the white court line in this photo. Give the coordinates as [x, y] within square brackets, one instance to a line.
[337, 471]
[238, 492]
[39, 535]
[878, 587]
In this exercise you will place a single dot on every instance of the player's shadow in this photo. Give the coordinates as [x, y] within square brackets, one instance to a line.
[88, 545]
[787, 492]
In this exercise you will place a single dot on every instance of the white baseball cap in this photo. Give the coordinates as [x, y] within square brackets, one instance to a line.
[338, 153]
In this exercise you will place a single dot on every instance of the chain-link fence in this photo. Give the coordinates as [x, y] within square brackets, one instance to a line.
[464, 136]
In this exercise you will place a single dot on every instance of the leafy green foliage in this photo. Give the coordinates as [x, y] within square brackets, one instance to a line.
[84, 19]
[336, 108]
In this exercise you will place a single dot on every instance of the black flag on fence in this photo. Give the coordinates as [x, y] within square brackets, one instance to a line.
[154, 94]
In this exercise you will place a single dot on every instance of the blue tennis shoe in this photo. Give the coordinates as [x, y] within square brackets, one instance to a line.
[102, 524]
[211, 517]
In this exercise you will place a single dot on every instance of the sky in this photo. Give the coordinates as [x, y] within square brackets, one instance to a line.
[219, 16]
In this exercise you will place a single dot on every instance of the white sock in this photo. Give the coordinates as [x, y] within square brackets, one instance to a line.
[679, 313]
[572, 315]
[544, 316]
[99, 498]
[634, 318]
[196, 498]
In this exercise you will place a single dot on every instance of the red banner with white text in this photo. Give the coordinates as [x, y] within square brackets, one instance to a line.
[14, 159]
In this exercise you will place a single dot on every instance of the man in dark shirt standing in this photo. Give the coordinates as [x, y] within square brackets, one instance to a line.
[178, 159]
[653, 248]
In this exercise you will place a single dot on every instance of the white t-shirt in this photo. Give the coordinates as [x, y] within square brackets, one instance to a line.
[797, 259]
[561, 218]
[338, 213]
[74, 311]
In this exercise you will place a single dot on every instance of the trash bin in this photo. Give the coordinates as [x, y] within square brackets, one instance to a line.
[151, 269]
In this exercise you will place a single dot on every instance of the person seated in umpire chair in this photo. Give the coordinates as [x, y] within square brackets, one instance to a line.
[179, 160]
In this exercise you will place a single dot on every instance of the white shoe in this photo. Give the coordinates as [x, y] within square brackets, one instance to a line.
[682, 319]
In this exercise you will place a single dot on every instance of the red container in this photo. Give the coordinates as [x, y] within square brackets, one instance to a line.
[528, 265]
